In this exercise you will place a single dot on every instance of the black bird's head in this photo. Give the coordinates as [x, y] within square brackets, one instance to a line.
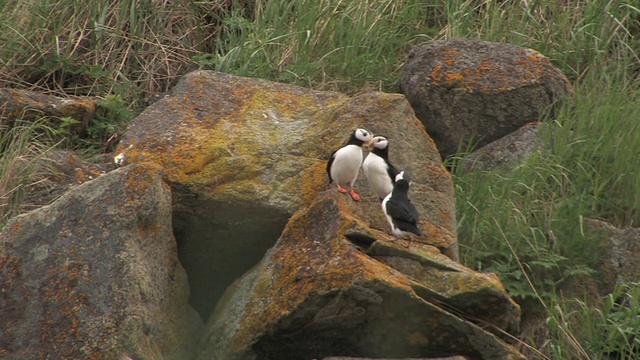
[402, 182]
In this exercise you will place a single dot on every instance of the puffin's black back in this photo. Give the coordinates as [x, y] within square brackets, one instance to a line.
[399, 207]
[329, 162]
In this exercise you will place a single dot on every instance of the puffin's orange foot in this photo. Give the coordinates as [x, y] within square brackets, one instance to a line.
[354, 195]
[342, 190]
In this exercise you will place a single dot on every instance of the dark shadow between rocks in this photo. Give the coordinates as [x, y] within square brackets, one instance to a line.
[358, 322]
[361, 240]
[219, 241]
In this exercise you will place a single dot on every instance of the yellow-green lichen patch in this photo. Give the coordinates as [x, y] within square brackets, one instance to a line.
[279, 105]
[312, 179]
[418, 339]
[450, 283]
[242, 190]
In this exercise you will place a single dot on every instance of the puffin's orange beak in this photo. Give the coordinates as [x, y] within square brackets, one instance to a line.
[369, 145]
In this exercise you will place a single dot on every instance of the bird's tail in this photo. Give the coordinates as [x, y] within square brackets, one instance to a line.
[409, 227]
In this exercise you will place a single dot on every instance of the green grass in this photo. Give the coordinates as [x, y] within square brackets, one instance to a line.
[21, 148]
[130, 48]
[583, 331]
[539, 207]
[578, 36]
[325, 44]
[526, 224]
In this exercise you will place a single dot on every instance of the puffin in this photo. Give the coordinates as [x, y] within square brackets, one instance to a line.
[344, 164]
[399, 211]
[377, 168]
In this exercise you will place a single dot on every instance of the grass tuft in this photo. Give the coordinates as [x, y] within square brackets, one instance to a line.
[325, 44]
[20, 149]
[130, 48]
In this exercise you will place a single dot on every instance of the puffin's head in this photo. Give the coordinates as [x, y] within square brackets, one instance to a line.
[403, 177]
[378, 142]
[362, 137]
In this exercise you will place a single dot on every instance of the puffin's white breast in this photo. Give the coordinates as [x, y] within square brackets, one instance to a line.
[346, 164]
[375, 169]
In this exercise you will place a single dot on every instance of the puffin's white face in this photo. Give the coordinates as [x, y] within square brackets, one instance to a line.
[379, 142]
[365, 136]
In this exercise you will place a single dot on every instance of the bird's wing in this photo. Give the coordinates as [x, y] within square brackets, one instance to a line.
[331, 158]
[402, 211]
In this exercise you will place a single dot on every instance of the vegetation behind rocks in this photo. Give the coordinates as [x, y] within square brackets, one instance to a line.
[526, 225]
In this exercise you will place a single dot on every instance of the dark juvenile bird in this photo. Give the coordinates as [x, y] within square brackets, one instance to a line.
[377, 168]
[344, 164]
[399, 211]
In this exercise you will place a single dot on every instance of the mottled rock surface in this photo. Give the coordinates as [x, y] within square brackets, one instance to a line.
[621, 250]
[31, 105]
[505, 152]
[95, 275]
[333, 286]
[469, 90]
[242, 155]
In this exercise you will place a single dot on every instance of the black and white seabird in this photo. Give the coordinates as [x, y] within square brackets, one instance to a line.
[344, 164]
[400, 212]
[377, 168]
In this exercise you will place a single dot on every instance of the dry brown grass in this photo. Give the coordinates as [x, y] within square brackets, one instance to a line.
[133, 48]
[20, 149]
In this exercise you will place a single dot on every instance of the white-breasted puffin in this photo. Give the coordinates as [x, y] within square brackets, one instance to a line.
[400, 212]
[377, 168]
[344, 164]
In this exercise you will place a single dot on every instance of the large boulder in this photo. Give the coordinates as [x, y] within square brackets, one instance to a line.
[469, 90]
[95, 275]
[334, 286]
[242, 155]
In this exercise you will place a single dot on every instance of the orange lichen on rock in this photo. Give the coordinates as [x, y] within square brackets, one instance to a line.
[322, 274]
[488, 76]
[311, 179]
[313, 257]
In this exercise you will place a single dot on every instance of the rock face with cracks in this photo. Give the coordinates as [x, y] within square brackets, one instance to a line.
[469, 90]
[333, 286]
[95, 275]
[242, 155]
